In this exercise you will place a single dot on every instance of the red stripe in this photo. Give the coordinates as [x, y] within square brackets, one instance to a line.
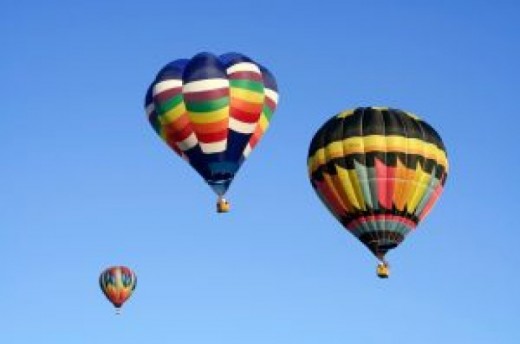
[184, 133]
[255, 137]
[385, 183]
[270, 103]
[246, 76]
[166, 95]
[176, 134]
[206, 95]
[175, 148]
[331, 198]
[370, 218]
[431, 202]
[244, 116]
[212, 137]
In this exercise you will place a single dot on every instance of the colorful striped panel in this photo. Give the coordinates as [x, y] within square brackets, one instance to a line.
[268, 109]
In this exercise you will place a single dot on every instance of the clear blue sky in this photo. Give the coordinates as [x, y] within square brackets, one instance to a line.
[85, 183]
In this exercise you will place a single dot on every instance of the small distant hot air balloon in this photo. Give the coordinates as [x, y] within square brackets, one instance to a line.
[379, 171]
[118, 284]
[212, 111]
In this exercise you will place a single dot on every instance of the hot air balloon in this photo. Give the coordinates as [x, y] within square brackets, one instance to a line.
[379, 171]
[118, 284]
[212, 111]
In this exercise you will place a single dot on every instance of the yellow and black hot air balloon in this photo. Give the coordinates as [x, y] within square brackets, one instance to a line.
[379, 171]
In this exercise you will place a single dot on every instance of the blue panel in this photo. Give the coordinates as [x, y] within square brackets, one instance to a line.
[236, 145]
[230, 59]
[269, 80]
[172, 70]
[204, 66]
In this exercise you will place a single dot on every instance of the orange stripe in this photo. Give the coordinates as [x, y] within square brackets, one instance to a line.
[257, 135]
[246, 106]
[204, 128]
[180, 122]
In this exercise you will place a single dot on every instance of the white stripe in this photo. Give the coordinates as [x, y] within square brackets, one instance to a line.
[243, 67]
[241, 127]
[271, 94]
[205, 85]
[215, 147]
[149, 109]
[247, 150]
[190, 142]
[166, 85]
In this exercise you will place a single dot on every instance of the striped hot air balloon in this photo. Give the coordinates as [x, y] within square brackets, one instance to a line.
[118, 284]
[379, 171]
[212, 111]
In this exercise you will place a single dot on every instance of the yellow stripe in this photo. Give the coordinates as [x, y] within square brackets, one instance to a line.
[345, 114]
[340, 187]
[172, 114]
[334, 150]
[209, 117]
[409, 185]
[318, 157]
[414, 116]
[400, 185]
[246, 95]
[378, 143]
[331, 186]
[352, 188]
[421, 182]
[263, 123]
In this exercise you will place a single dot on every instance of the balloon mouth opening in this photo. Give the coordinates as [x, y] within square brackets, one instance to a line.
[220, 181]
[387, 246]
[380, 242]
[220, 186]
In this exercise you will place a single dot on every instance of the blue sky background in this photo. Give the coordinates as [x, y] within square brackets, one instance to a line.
[85, 183]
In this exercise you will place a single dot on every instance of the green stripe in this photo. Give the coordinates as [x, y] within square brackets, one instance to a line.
[247, 85]
[427, 195]
[362, 175]
[372, 180]
[208, 106]
[170, 104]
[388, 225]
[267, 112]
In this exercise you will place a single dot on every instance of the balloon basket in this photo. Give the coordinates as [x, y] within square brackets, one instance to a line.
[383, 270]
[223, 206]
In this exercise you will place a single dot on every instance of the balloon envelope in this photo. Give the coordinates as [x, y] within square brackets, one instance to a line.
[379, 171]
[118, 284]
[212, 111]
